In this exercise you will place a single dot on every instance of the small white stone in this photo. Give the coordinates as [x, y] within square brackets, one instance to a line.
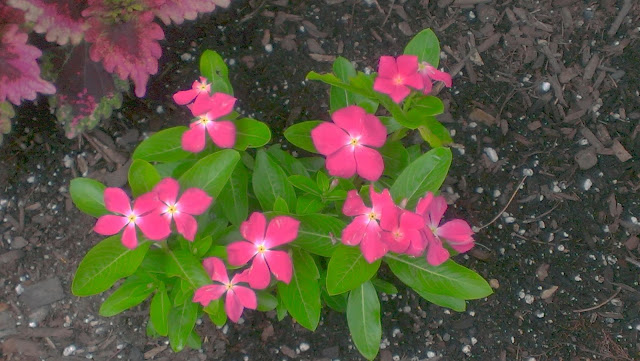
[583, 141]
[466, 349]
[491, 153]
[69, 350]
[527, 172]
[225, 329]
[431, 354]
[159, 109]
[561, 248]
[474, 340]
[304, 347]
[509, 220]
[186, 57]
[31, 179]
[587, 184]
[545, 86]
[268, 48]
[529, 299]
[539, 314]
[19, 289]
[496, 193]
[577, 278]
[479, 190]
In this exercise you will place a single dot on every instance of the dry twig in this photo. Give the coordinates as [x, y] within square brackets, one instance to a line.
[506, 206]
[600, 304]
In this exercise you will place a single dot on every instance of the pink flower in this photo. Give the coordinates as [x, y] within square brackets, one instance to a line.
[238, 297]
[281, 230]
[456, 232]
[395, 76]
[402, 231]
[430, 74]
[348, 143]
[193, 202]
[365, 229]
[208, 109]
[198, 89]
[144, 215]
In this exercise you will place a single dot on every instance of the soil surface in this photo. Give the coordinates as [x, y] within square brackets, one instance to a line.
[545, 97]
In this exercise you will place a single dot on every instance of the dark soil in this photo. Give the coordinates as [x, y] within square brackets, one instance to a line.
[545, 94]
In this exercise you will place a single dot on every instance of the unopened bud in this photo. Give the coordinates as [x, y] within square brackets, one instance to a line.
[403, 203]
[334, 183]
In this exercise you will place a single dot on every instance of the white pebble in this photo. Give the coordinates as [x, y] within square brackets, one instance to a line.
[577, 278]
[69, 350]
[159, 109]
[431, 354]
[268, 48]
[19, 289]
[527, 172]
[304, 347]
[186, 57]
[509, 220]
[31, 179]
[545, 86]
[466, 349]
[491, 153]
[529, 299]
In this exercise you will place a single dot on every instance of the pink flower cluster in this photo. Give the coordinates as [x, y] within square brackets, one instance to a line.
[386, 227]
[207, 109]
[396, 76]
[152, 212]
[258, 246]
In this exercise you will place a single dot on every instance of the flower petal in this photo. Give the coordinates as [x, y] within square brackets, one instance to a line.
[353, 233]
[369, 163]
[154, 226]
[222, 133]
[167, 190]
[194, 201]
[281, 230]
[129, 237]
[253, 229]
[410, 220]
[399, 93]
[388, 67]
[246, 296]
[374, 133]
[110, 224]
[216, 269]
[415, 81]
[259, 276]
[350, 119]
[418, 244]
[342, 163]
[147, 203]
[193, 139]
[186, 225]
[185, 96]
[407, 65]
[380, 201]
[436, 254]
[353, 205]
[239, 253]
[389, 218]
[233, 306]
[423, 204]
[116, 200]
[394, 243]
[328, 138]
[436, 210]
[384, 85]
[221, 104]
[205, 294]
[456, 231]
[280, 265]
[436, 74]
[372, 246]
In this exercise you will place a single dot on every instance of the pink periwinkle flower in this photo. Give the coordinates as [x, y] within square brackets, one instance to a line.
[430, 74]
[365, 228]
[349, 142]
[192, 202]
[144, 214]
[396, 75]
[259, 246]
[402, 231]
[208, 109]
[238, 297]
[457, 232]
[199, 88]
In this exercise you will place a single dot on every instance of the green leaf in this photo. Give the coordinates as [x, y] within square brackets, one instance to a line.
[323, 181]
[395, 158]
[291, 165]
[363, 318]
[233, 199]
[391, 124]
[425, 46]
[194, 340]
[132, 292]
[104, 264]
[163, 146]
[251, 133]
[159, 311]
[315, 233]
[337, 303]
[448, 279]
[428, 105]
[270, 182]
[200, 246]
[347, 269]
[266, 301]
[423, 175]
[183, 264]
[434, 133]
[182, 320]
[308, 204]
[280, 205]
[88, 195]
[300, 135]
[301, 296]
[384, 286]
[174, 169]
[340, 98]
[212, 172]
[305, 184]
[142, 177]
[212, 67]
[216, 312]
[453, 303]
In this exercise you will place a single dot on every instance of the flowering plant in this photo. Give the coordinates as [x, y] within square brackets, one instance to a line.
[235, 217]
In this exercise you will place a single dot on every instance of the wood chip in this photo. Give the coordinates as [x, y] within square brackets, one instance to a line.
[542, 272]
[586, 158]
[314, 46]
[548, 293]
[632, 243]
[405, 28]
[534, 125]
[479, 115]
[322, 57]
[591, 67]
[620, 152]
[151, 354]
[313, 30]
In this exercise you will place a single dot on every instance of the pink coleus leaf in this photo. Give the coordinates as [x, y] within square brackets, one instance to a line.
[179, 10]
[19, 71]
[61, 21]
[127, 47]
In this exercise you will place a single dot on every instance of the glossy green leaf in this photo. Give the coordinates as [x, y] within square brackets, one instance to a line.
[448, 279]
[183, 264]
[423, 175]
[200, 246]
[270, 182]
[212, 172]
[233, 199]
[212, 67]
[425, 46]
[251, 133]
[300, 135]
[337, 303]
[290, 164]
[194, 341]
[340, 98]
[104, 264]
[266, 301]
[216, 312]
[363, 318]
[142, 177]
[131, 293]
[305, 184]
[159, 311]
[316, 231]
[395, 157]
[301, 296]
[453, 303]
[347, 269]
[280, 206]
[88, 195]
[323, 181]
[384, 286]
[435, 133]
[391, 124]
[163, 146]
[308, 204]
[182, 320]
